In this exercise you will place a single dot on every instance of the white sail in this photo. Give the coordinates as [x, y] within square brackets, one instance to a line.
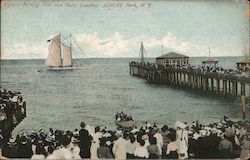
[67, 56]
[54, 56]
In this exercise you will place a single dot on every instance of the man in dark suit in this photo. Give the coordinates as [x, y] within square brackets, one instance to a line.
[85, 141]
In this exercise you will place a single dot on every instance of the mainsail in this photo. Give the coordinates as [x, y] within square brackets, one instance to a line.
[60, 53]
[67, 56]
[54, 56]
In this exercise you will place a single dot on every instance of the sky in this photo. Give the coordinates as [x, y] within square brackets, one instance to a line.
[108, 29]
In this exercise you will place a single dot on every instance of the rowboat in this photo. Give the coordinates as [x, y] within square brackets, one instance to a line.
[125, 124]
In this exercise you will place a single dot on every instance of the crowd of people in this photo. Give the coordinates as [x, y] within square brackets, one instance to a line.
[199, 69]
[11, 109]
[224, 139]
[120, 116]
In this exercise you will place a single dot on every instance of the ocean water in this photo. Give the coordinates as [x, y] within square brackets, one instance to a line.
[62, 99]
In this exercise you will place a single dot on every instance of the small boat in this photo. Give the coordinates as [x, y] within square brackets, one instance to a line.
[60, 53]
[125, 124]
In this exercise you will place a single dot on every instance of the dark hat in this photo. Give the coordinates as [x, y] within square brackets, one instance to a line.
[82, 124]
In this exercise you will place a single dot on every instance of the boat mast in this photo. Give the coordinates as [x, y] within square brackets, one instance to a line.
[161, 49]
[70, 50]
[209, 51]
[60, 36]
[142, 53]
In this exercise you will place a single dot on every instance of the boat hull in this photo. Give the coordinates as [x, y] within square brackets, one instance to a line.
[125, 124]
[64, 68]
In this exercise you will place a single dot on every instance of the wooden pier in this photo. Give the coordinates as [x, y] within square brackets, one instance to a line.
[224, 84]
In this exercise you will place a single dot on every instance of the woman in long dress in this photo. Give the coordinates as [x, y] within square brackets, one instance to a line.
[95, 143]
[182, 140]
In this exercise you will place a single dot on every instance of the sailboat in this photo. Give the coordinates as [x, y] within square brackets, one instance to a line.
[60, 53]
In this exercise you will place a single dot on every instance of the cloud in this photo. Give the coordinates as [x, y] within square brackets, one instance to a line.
[24, 50]
[171, 42]
[106, 47]
[116, 45]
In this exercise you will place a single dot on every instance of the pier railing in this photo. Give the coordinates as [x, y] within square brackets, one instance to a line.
[226, 81]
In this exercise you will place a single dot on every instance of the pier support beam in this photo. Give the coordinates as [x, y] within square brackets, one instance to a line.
[218, 86]
[212, 84]
[225, 87]
[243, 89]
[200, 82]
[234, 88]
[229, 87]
[206, 84]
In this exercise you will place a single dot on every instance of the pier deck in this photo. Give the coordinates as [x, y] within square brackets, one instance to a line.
[223, 83]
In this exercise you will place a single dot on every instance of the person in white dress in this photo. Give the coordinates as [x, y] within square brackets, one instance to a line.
[95, 143]
[159, 140]
[74, 148]
[182, 140]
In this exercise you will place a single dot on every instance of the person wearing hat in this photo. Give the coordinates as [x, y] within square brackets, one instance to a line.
[74, 148]
[24, 149]
[165, 140]
[119, 147]
[182, 139]
[141, 152]
[159, 140]
[134, 130]
[145, 138]
[230, 131]
[132, 144]
[95, 143]
[85, 141]
[148, 125]
[40, 148]
[64, 151]
[39, 154]
[245, 145]
[153, 149]
[225, 147]
[172, 147]
[9, 149]
[103, 151]
[213, 142]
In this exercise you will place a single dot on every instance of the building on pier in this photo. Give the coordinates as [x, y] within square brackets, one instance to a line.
[172, 58]
[244, 65]
[210, 62]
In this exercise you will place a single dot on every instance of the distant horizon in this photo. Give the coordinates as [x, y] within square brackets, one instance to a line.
[126, 57]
